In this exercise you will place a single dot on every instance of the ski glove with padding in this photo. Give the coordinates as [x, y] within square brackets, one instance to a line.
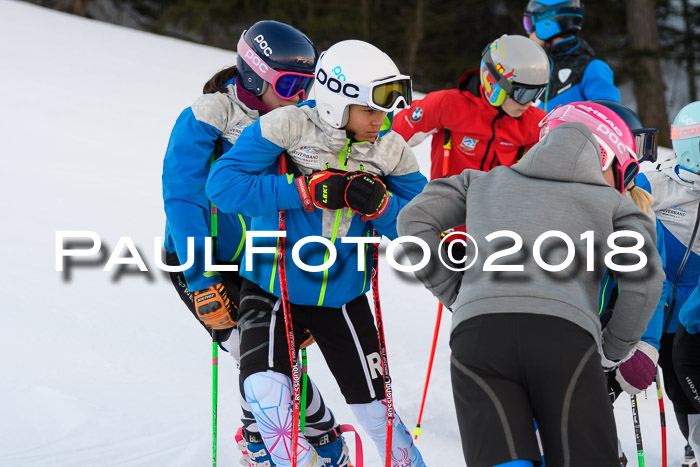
[637, 372]
[327, 188]
[214, 308]
[366, 195]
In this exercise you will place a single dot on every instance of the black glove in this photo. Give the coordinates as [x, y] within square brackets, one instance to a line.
[327, 188]
[366, 195]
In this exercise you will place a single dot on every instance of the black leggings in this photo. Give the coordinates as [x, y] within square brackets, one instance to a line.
[512, 368]
[346, 336]
[686, 361]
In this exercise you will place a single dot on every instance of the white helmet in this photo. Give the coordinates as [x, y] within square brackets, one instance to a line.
[356, 72]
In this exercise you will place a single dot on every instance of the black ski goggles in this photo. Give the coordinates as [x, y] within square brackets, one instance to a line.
[524, 94]
[647, 142]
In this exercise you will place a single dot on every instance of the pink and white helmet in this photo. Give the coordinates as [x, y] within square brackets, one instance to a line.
[614, 137]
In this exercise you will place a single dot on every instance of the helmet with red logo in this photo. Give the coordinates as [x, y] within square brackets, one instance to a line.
[685, 137]
[516, 67]
[275, 54]
[615, 140]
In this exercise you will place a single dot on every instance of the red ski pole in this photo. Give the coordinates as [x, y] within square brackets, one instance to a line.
[416, 431]
[382, 353]
[446, 148]
[662, 416]
[296, 400]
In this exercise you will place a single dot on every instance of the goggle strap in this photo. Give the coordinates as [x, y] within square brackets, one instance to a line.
[506, 85]
[685, 131]
[249, 56]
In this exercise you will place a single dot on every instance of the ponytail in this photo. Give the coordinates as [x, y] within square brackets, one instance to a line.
[641, 198]
[216, 82]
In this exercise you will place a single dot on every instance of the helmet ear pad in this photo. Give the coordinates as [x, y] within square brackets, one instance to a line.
[248, 79]
[547, 29]
[493, 91]
[498, 96]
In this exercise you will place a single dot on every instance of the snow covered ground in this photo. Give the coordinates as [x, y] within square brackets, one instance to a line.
[102, 368]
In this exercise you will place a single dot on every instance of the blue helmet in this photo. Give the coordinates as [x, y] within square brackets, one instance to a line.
[685, 136]
[551, 18]
[278, 46]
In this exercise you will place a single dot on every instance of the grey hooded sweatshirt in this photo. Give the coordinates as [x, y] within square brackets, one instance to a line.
[558, 185]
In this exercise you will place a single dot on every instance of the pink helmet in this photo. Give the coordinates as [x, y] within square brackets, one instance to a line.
[614, 137]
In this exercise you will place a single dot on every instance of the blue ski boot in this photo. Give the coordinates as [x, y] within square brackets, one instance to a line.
[254, 453]
[331, 449]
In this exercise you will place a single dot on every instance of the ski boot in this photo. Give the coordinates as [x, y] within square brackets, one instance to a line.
[689, 458]
[331, 448]
[253, 451]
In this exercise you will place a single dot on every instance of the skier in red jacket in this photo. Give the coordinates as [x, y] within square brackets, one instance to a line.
[488, 119]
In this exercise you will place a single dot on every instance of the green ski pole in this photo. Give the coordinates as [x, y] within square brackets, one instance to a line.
[304, 382]
[637, 430]
[214, 392]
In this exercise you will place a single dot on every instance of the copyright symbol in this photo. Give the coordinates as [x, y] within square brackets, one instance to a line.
[458, 239]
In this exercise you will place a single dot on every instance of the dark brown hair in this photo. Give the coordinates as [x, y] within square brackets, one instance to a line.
[216, 82]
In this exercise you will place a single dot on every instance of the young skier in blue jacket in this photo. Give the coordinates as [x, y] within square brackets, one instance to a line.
[576, 75]
[349, 176]
[675, 186]
[233, 99]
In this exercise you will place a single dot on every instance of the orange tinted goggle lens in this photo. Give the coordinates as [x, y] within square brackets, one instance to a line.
[386, 95]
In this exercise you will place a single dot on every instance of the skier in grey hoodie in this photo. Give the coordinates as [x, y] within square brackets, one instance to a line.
[525, 333]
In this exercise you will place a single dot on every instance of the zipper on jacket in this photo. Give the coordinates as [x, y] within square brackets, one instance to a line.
[493, 137]
[336, 224]
[242, 242]
[274, 267]
[364, 284]
[343, 156]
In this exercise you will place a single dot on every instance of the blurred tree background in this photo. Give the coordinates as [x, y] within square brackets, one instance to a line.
[652, 45]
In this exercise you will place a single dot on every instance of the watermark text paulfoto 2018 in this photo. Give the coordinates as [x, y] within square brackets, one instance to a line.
[460, 263]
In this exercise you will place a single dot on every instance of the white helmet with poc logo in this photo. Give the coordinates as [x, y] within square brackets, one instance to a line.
[356, 72]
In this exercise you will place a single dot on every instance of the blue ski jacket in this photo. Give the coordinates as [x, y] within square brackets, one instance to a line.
[676, 195]
[576, 76]
[690, 312]
[246, 180]
[212, 117]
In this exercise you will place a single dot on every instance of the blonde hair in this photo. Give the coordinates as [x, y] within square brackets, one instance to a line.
[641, 198]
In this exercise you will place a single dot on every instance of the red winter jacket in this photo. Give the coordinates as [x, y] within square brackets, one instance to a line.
[483, 137]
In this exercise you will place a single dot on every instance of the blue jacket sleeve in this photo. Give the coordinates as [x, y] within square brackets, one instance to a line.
[597, 82]
[690, 312]
[403, 189]
[185, 169]
[244, 180]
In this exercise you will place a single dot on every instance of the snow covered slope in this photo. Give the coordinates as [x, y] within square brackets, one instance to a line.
[103, 368]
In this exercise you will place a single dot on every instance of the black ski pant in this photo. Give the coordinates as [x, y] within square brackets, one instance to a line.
[673, 387]
[509, 369]
[346, 336]
[319, 419]
[686, 361]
